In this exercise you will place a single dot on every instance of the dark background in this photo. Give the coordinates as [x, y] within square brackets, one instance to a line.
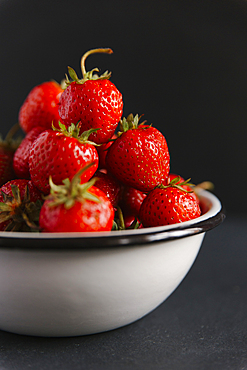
[183, 64]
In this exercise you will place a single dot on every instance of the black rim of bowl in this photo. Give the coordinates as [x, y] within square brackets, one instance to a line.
[116, 239]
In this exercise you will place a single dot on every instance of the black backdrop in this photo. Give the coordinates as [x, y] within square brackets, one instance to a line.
[183, 64]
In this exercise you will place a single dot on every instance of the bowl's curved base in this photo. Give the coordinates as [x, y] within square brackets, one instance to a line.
[81, 292]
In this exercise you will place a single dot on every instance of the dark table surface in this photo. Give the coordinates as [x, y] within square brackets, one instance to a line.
[202, 325]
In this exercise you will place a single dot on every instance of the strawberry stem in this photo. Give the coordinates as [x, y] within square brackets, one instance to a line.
[121, 218]
[12, 132]
[9, 142]
[175, 183]
[205, 185]
[93, 51]
[130, 123]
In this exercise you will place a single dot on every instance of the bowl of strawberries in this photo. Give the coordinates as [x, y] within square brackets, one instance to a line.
[95, 230]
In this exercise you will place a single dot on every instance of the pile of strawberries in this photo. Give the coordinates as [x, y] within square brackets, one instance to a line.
[82, 167]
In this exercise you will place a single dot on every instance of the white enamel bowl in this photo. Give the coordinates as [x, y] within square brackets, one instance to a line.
[60, 285]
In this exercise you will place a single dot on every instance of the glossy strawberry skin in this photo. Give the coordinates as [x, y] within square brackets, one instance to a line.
[102, 152]
[129, 220]
[56, 155]
[131, 201]
[188, 188]
[21, 156]
[96, 104]
[35, 194]
[109, 185]
[40, 107]
[168, 206]
[139, 158]
[82, 217]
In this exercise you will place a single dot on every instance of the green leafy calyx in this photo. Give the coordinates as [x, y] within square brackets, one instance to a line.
[130, 123]
[72, 191]
[9, 143]
[119, 224]
[74, 132]
[178, 184]
[91, 75]
[22, 214]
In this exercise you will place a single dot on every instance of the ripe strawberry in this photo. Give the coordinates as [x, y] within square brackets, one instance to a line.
[102, 152]
[61, 154]
[187, 187]
[168, 204]
[139, 157]
[131, 222]
[131, 201]
[40, 107]
[20, 204]
[109, 185]
[94, 101]
[75, 207]
[7, 151]
[21, 156]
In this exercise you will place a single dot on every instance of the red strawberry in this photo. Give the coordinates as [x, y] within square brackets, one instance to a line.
[109, 185]
[61, 154]
[129, 221]
[7, 151]
[94, 101]
[20, 204]
[21, 157]
[169, 204]
[132, 222]
[139, 157]
[187, 187]
[75, 207]
[102, 152]
[193, 189]
[131, 201]
[40, 108]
